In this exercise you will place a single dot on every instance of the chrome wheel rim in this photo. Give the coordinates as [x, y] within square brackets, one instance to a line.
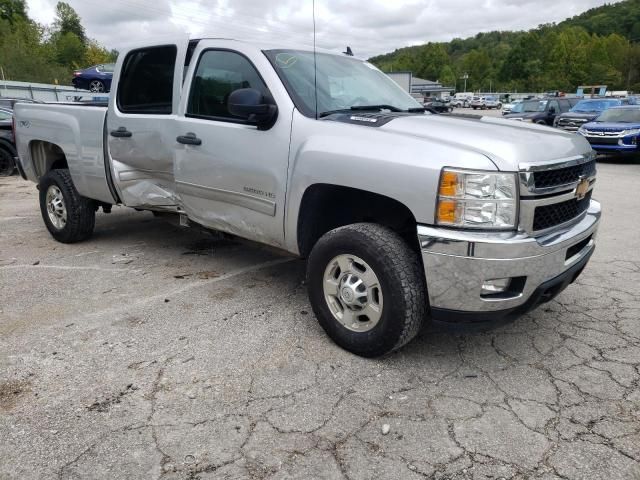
[96, 86]
[353, 293]
[56, 207]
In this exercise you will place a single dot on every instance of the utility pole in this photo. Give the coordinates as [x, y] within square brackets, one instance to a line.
[464, 77]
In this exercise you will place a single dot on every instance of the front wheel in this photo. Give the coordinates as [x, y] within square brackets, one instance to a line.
[68, 216]
[367, 289]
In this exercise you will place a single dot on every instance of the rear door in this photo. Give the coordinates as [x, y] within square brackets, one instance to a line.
[140, 123]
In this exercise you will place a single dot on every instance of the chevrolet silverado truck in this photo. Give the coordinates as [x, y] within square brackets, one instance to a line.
[402, 216]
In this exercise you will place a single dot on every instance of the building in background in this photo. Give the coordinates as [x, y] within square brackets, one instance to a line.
[419, 87]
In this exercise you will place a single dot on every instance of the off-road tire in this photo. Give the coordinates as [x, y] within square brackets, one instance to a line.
[81, 211]
[399, 271]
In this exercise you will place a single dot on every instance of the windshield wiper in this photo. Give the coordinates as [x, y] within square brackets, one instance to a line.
[361, 108]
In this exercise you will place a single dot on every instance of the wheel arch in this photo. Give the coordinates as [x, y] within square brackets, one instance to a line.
[46, 156]
[325, 207]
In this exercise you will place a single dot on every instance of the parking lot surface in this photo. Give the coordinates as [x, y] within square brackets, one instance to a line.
[152, 351]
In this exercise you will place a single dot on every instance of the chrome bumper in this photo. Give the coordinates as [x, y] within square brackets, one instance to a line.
[458, 263]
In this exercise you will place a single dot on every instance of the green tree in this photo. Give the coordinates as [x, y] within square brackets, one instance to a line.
[13, 10]
[70, 51]
[68, 21]
[447, 77]
[96, 54]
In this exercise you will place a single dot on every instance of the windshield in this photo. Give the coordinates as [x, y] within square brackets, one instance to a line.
[530, 106]
[620, 115]
[343, 82]
[595, 105]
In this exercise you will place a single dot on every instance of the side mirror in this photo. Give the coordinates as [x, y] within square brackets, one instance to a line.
[251, 105]
[552, 110]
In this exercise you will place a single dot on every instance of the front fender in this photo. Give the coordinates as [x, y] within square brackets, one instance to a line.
[404, 168]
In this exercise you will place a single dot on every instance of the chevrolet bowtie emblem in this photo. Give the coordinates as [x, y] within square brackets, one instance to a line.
[582, 189]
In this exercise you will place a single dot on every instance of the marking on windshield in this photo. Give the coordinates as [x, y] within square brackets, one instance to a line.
[286, 60]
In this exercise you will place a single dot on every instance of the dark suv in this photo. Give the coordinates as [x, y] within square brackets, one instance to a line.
[542, 110]
[586, 111]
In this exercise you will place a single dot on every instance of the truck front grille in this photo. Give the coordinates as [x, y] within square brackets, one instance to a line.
[602, 140]
[563, 176]
[571, 124]
[548, 216]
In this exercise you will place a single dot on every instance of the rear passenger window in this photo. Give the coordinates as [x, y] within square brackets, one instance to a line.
[219, 73]
[146, 82]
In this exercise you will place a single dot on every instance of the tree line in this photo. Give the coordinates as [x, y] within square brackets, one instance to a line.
[601, 46]
[32, 52]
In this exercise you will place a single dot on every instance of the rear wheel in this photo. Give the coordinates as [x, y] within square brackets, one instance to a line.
[366, 289]
[7, 164]
[96, 86]
[69, 217]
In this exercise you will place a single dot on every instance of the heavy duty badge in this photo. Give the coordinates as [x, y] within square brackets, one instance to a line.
[582, 188]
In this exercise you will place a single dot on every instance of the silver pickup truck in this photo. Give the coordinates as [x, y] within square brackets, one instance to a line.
[403, 216]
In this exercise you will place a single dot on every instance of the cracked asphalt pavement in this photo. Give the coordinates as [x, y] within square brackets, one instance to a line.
[152, 351]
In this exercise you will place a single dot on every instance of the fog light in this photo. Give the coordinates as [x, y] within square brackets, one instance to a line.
[497, 285]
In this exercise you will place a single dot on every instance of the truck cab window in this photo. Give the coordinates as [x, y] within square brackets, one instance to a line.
[219, 73]
[146, 83]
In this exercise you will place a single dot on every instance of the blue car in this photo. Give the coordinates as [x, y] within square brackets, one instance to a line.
[616, 130]
[95, 79]
[586, 111]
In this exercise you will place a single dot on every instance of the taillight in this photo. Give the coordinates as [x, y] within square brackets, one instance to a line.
[76, 74]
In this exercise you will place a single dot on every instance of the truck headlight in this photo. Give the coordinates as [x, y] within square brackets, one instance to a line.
[633, 131]
[477, 199]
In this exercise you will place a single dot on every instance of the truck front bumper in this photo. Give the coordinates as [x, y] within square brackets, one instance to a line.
[461, 266]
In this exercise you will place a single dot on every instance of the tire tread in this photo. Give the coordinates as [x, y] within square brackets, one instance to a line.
[80, 210]
[404, 266]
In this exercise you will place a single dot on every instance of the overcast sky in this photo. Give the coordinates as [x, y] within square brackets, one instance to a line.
[370, 27]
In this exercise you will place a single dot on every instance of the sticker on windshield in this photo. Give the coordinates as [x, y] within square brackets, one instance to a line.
[286, 60]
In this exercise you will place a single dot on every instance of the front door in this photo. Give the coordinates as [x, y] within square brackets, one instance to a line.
[234, 180]
[140, 124]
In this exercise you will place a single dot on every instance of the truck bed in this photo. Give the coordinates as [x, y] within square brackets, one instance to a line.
[71, 132]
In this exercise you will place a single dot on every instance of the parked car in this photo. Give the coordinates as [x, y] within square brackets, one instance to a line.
[7, 143]
[542, 111]
[460, 230]
[9, 102]
[616, 130]
[585, 111]
[462, 100]
[486, 102]
[438, 106]
[95, 79]
[507, 107]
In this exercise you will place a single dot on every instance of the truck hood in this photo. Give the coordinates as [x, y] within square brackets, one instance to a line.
[525, 115]
[506, 143]
[579, 115]
[611, 126]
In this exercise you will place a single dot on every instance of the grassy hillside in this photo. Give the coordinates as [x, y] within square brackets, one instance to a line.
[601, 45]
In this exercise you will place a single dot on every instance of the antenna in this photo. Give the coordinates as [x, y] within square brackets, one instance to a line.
[315, 65]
